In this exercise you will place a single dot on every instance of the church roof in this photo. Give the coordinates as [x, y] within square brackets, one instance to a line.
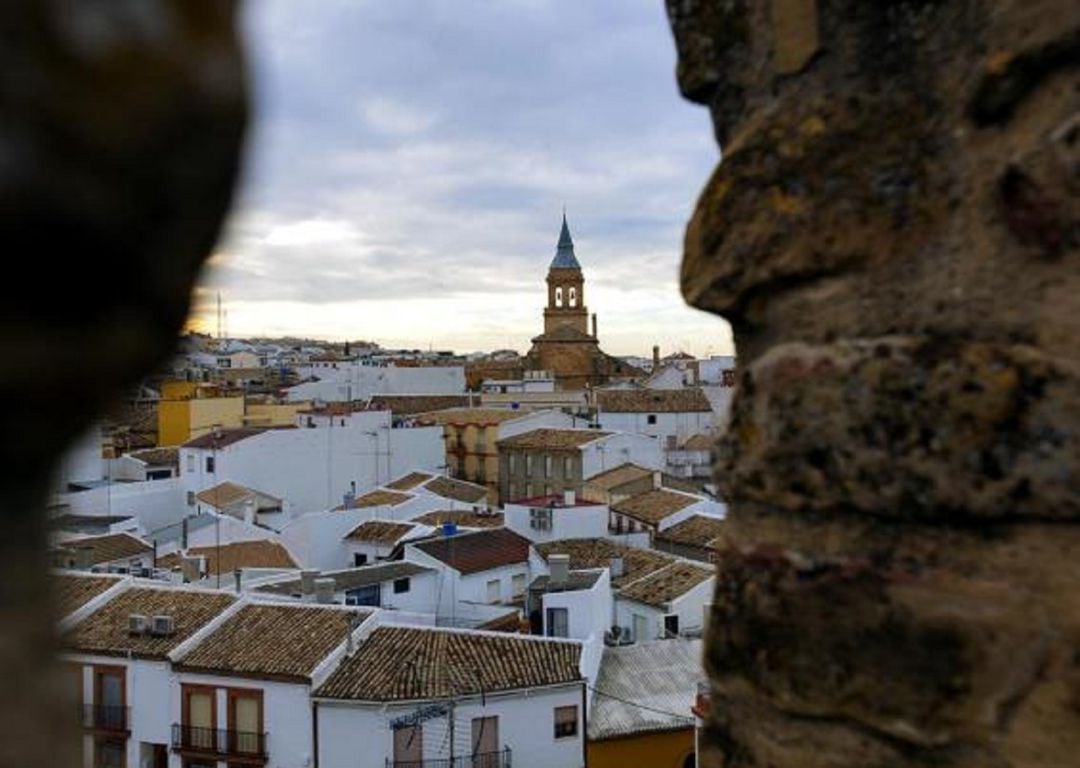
[564, 251]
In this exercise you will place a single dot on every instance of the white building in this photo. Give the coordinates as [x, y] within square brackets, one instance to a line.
[671, 415]
[410, 695]
[310, 469]
[546, 518]
[375, 540]
[357, 381]
[398, 586]
[659, 509]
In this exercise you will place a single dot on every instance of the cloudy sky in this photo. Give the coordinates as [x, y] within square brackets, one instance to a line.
[409, 164]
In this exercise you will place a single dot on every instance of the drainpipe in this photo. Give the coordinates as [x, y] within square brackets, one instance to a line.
[315, 733]
[584, 727]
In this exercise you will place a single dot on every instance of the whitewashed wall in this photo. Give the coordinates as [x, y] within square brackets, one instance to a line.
[153, 503]
[620, 448]
[579, 522]
[680, 425]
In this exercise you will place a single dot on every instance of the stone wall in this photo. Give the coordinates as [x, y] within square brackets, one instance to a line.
[893, 235]
[120, 142]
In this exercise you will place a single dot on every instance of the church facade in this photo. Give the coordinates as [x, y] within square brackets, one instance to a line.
[567, 349]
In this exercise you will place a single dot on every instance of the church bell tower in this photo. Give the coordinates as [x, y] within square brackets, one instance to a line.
[566, 289]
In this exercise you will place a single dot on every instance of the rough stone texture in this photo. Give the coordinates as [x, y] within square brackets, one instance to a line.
[893, 235]
[119, 145]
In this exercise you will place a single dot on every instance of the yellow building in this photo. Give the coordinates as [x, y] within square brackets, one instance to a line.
[183, 418]
[261, 414]
[655, 749]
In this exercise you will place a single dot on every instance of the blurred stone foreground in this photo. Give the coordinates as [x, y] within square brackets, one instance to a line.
[893, 236]
[120, 131]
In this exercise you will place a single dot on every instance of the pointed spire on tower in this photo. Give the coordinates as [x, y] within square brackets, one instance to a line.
[564, 251]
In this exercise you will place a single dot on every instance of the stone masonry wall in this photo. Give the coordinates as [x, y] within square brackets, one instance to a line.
[893, 235]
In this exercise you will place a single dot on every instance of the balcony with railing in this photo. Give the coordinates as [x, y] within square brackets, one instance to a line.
[106, 718]
[499, 759]
[219, 743]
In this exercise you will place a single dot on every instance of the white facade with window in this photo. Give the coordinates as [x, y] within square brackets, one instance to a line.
[545, 523]
[541, 728]
[685, 614]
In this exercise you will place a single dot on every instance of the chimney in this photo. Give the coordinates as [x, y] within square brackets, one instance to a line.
[183, 533]
[560, 569]
[191, 567]
[657, 480]
[656, 358]
[238, 575]
[594, 326]
[616, 567]
[249, 511]
[569, 498]
[324, 591]
[307, 581]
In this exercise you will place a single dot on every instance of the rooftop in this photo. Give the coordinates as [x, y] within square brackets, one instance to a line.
[564, 250]
[662, 586]
[105, 631]
[108, 547]
[276, 641]
[597, 553]
[227, 494]
[637, 683]
[483, 417]
[410, 405]
[620, 475]
[352, 578]
[380, 532]
[699, 442]
[478, 550]
[456, 490]
[226, 437]
[552, 439]
[410, 481]
[71, 591]
[409, 663]
[226, 558]
[696, 530]
[379, 498]
[462, 518]
[575, 580]
[653, 506]
[157, 457]
[689, 400]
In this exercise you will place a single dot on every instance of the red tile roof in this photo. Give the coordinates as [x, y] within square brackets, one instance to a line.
[478, 551]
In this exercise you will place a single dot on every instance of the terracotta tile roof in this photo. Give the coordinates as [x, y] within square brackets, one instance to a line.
[227, 494]
[407, 663]
[410, 481]
[482, 417]
[660, 587]
[108, 547]
[597, 553]
[105, 631]
[72, 591]
[379, 498]
[227, 558]
[285, 642]
[409, 405]
[479, 550]
[696, 530]
[699, 442]
[158, 457]
[227, 437]
[620, 475]
[352, 578]
[463, 518]
[456, 490]
[379, 532]
[689, 400]
[511, 623]
[653, 506]
[552, 439]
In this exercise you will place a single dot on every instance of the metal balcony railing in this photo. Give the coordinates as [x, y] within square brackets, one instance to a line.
[500, 759]
[106, 717]
[219, 741]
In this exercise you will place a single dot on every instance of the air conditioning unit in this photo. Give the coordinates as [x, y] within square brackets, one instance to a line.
[137, 624]
[162, 626]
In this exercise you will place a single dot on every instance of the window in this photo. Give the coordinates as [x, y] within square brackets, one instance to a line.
[199, 716]
[671, 625]
[485, 740]
[359, 559]
[511, 460]
[573, 297]
[650, 419]
[409, 745]
[191, 462]
[558, 622]
[528, 463]
[245, 721]
[401, 585]
[517, 584]
[540, 519]
[109, 753]
[511, 492]
[209, 463]
[547, 466]
[567, 466]
[493, 591]
[158, 474]
[528, 490]
[558, 297]
[191, 498]
[565, 722]
[368, 596]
